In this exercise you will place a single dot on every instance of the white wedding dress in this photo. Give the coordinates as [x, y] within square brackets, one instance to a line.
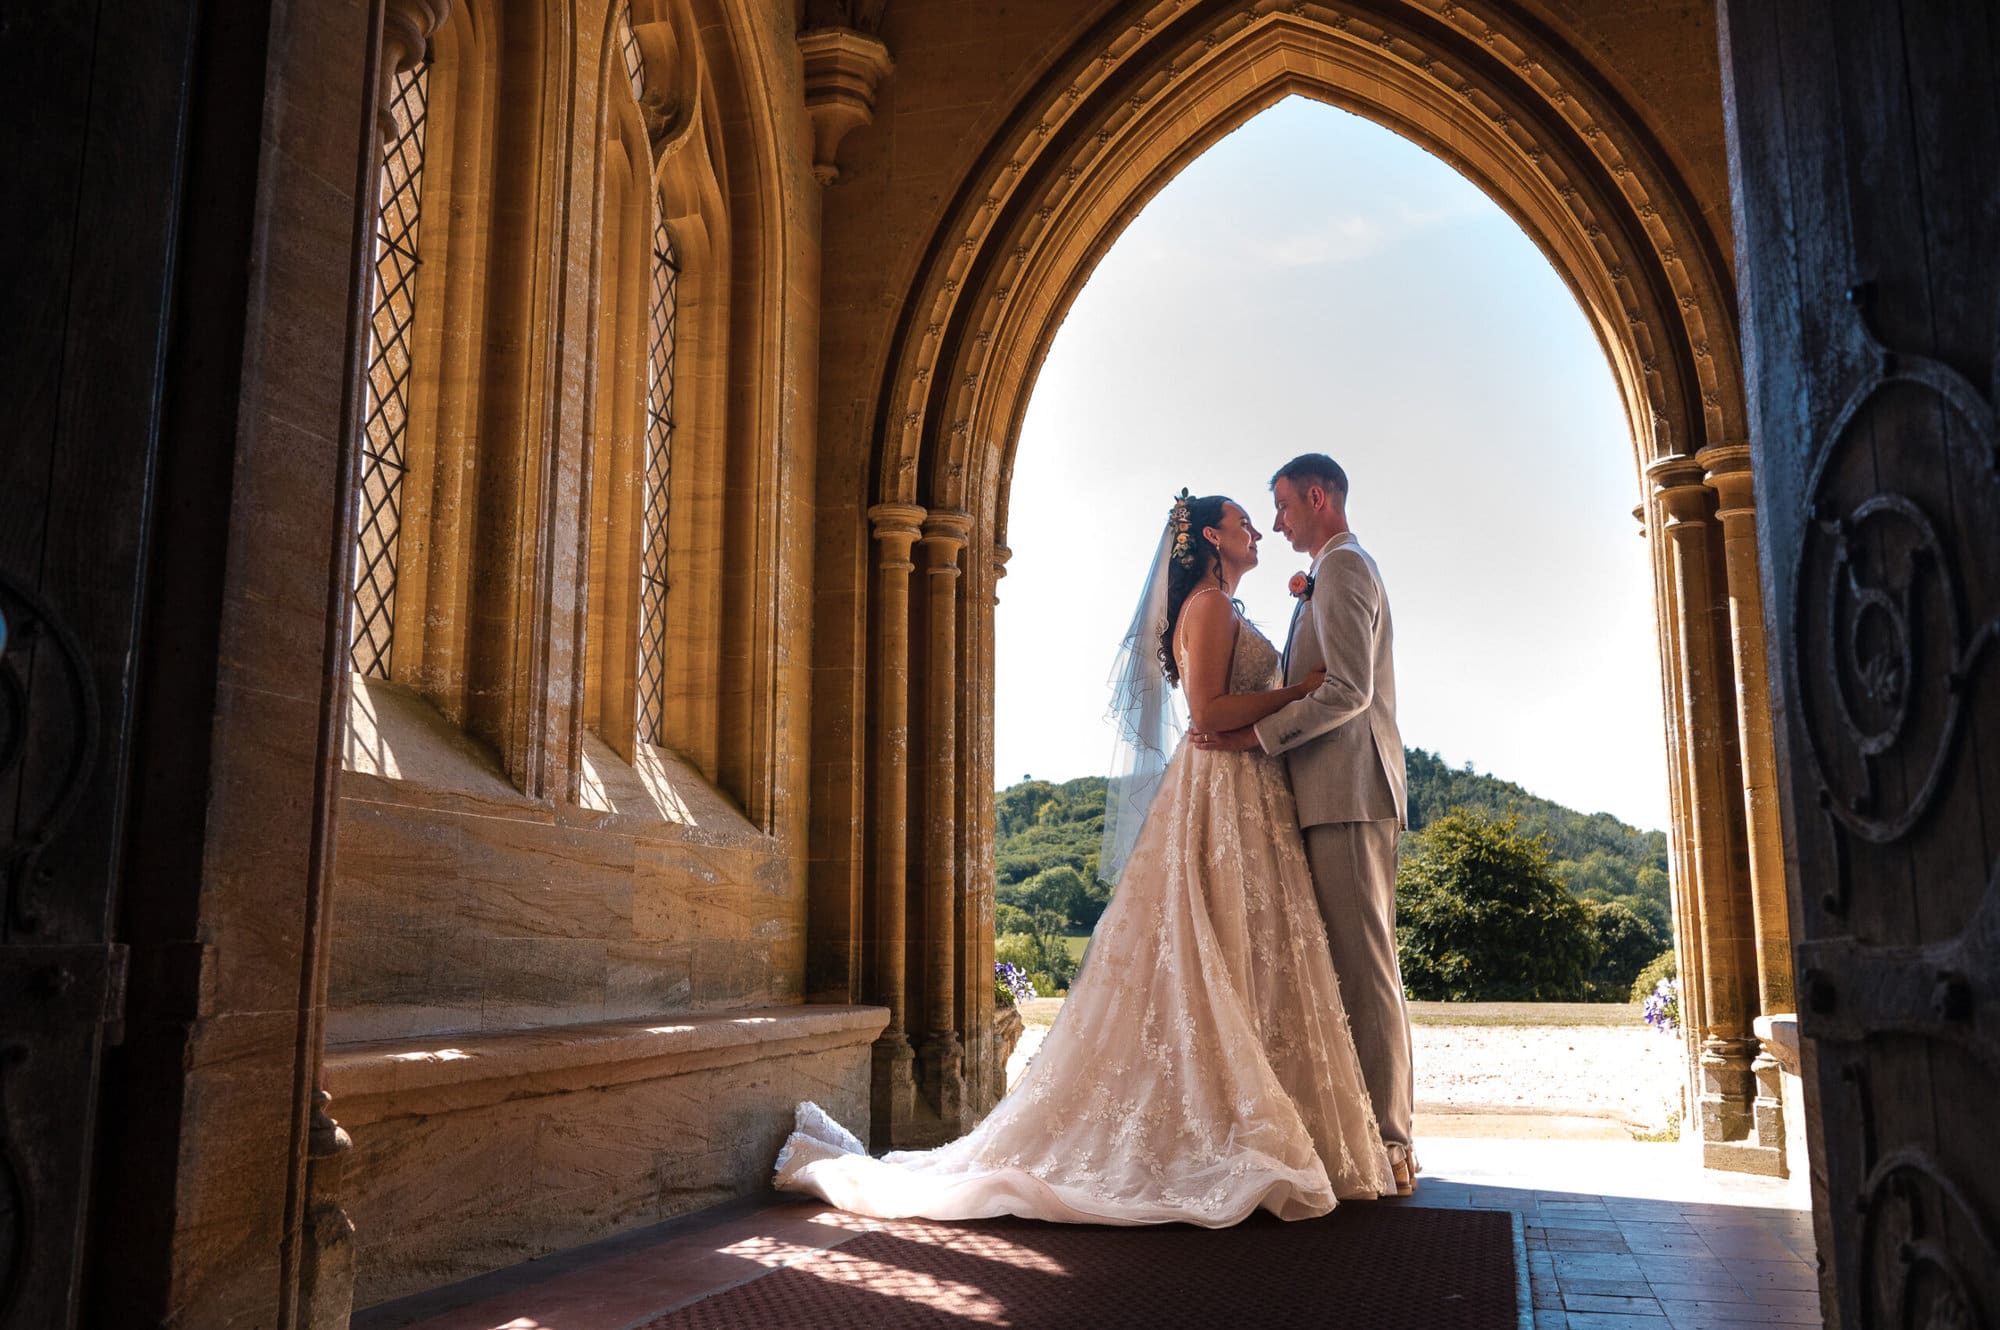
[1201, 1067]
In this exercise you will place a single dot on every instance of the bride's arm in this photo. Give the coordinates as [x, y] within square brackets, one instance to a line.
[1208, 632]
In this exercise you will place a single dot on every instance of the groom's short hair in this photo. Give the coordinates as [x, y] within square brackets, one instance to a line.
[1313, 469]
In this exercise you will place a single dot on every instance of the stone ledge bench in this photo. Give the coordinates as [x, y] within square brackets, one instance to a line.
[477, 1151]
[451, 1073]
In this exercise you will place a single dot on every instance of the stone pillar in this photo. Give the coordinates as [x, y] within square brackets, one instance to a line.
[979, 888]
[1686, 918]
[1729, 476]
[941, 1065]
[896, 529]
[326, 1257]
[1723, 1104]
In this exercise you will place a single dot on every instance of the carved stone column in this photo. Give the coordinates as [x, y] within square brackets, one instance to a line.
[1724, 1096]
[987, 1081]
[326, 1259]
[1729, 476]
[941, 1065]
[1686, 917]
[896, 530]
[844, 67]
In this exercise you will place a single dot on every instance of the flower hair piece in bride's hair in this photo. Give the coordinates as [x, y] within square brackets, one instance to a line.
[1183, 538]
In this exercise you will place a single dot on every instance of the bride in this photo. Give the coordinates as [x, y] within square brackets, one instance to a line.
[1201, 1067]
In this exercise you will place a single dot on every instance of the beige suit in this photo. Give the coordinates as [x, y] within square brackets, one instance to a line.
[1344, 755]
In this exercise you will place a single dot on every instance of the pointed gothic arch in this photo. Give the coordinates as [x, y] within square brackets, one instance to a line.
[1136, 94]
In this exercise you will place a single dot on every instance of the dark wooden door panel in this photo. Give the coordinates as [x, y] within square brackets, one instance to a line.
[100, 91]
[1865, 141]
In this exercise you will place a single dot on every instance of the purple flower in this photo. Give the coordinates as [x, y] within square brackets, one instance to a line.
[1011, 984]
[1663, 1006]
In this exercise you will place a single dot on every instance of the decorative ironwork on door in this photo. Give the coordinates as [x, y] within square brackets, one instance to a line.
[1894, 628]
[1863, 142]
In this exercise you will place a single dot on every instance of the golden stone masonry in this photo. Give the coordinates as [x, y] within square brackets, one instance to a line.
[563, 563]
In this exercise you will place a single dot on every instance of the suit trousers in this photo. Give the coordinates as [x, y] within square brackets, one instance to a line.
[1354, 875]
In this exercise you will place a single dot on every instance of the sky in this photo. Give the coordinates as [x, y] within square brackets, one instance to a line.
[1316, 283]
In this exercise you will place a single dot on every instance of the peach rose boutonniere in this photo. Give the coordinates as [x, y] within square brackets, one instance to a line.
[1301, 585]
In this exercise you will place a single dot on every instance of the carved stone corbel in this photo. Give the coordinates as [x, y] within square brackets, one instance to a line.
[844, 67]
[407, 26]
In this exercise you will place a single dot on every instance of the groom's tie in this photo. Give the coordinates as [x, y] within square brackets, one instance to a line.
[1298, 608]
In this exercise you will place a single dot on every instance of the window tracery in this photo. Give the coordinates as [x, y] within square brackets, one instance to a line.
[638, 298]
[659, 456]
[386, 405]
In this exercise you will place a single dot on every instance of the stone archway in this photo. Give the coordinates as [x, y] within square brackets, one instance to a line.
[1137, 93]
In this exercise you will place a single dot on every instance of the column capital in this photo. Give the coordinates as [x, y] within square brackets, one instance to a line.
[894, 520]
[897, 526]
[1681, 487]
[948, 524]
[946, 532]
[1729, 475]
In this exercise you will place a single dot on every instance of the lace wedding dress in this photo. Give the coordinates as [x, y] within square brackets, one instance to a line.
[1201, 1067]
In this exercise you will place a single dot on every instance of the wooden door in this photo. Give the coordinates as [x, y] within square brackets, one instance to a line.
[1865, 157]
[91, 92]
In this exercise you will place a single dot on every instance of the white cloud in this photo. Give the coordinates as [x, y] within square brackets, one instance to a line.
[1336, 240]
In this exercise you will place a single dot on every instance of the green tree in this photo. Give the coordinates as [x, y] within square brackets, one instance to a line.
[1483, 917]
[1010, 919]
[1039, 950]
[1654, 898]
[1664, 966]
[1599, 876]
[1059, 890]
[1625, 943]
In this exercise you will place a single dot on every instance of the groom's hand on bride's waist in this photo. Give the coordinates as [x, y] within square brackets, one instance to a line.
[1226, 741]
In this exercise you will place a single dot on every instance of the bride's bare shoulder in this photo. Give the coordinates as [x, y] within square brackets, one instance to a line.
[1207, 622]
[1207, 608]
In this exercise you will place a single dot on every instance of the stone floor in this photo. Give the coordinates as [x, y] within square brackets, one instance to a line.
[1629, 1236]
[1619, 1234]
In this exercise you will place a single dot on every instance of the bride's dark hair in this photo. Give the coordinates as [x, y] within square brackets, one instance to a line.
[1192, 561]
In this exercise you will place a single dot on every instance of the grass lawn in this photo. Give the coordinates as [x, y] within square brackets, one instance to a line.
[1527, 1013]
[1075, 943]
[1041, 1011]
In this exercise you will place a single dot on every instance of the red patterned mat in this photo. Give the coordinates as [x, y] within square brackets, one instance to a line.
[1364, 1267]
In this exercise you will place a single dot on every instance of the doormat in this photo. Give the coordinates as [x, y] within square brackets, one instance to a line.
[1362, 1267]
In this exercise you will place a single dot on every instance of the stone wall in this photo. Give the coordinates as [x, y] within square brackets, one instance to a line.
[471, 1154]
[463, 906]
[590, 944]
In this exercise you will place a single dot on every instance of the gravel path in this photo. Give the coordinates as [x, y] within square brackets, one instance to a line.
[1596, 1063]
[1633, 1073]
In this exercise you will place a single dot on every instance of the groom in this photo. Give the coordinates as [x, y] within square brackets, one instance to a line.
[1345, 758]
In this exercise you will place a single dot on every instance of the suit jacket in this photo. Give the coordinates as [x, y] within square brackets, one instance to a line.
[1340, 742]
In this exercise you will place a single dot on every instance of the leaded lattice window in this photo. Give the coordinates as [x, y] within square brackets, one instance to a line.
[659, 455]
[386, 404]
[628, 43]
